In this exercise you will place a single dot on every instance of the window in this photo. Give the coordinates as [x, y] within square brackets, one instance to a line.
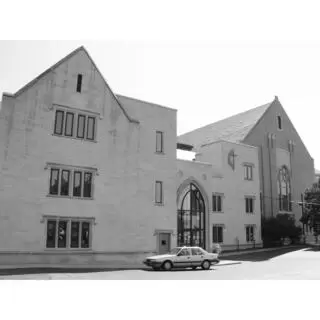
[248, 172]
[159, 142]
[250, 233]
[74, 233]
[217, 234]
[284, 190]
[279, 119]
[196, 252]
[184, 252]
[217, 202]
[249, 204]
[159, 192]
[79, 82]
[70, 182]
[75, 124]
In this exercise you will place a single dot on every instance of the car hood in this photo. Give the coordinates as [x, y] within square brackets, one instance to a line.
[162, 256]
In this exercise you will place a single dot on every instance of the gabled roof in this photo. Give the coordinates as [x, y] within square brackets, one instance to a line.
[82, 48]
[233, 129]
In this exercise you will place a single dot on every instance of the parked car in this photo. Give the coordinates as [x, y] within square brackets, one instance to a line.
[183, 257]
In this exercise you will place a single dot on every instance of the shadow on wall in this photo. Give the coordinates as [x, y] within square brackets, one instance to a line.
[261, 256]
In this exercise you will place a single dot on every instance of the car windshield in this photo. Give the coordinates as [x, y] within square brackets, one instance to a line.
[175, 250]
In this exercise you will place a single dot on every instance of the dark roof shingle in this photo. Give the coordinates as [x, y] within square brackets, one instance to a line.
[234, 128]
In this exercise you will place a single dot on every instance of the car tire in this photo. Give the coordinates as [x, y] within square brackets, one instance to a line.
[167, 265]
[205, 265]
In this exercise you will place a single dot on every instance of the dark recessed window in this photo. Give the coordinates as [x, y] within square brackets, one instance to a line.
[279, 122]
[87, 188]
[68, 131]
[65, 177]
[79, 82]
[54, 181]
[81, 126]
[250, 233]
[85, 235]
[58, 124]
[217, 234]
[77, 182]
[90, 128]
[51, 233]
[249, 205]
[75, 234]
[217, 203]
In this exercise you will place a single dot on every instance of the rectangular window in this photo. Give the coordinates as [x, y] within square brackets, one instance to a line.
[87, 185]
[62, 234]
[58, 123]
[75, 124]
[65, 177]
[81, 126]
[159, 195]
[90, 128]
[250, 233]
[159, 142]
[68, 131]
[217, 234]
[51, 233]
[217, 203]
[249, 205]
[77, 236]
[77, 183]
[66, 181]
[248, 172]
[79, 82]
[54, 181]
[279, 122]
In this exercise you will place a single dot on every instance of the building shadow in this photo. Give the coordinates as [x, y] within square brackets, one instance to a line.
[260, 256]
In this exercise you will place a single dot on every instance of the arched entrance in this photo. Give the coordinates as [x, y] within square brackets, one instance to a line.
[191, 217]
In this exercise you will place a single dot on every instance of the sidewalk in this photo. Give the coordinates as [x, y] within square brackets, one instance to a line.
[39, 268]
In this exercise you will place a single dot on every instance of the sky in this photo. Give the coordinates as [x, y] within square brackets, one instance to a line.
[204, 80]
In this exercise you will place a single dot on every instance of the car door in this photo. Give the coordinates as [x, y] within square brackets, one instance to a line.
[183, 259]
[197, 257]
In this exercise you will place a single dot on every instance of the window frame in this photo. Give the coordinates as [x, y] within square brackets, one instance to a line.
[161, 149]
[76, 115]
[215, 204]
[251, 227]
[69, 221]
[158, 182]
[72, 171]
[248, 168]
[217, 227]
[252, 206]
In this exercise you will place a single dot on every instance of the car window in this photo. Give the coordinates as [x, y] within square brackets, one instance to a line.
[196, 251]
[184, 252]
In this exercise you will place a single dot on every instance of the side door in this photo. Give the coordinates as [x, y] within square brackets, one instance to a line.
[197, 257]
[183, 259]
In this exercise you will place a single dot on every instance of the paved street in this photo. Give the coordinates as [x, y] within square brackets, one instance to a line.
[284, 264]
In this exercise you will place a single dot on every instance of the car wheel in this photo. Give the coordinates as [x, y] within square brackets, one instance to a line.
[205, 265]
[167, 265]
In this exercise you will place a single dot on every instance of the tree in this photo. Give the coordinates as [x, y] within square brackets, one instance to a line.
[311, 214]
[276, 229]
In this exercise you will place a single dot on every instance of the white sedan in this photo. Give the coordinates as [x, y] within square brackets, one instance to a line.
[183, 257]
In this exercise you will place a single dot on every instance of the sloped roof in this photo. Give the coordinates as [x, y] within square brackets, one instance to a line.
[82, 48]
[234, 128]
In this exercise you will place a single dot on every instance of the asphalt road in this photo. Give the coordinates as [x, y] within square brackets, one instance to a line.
[284, 264]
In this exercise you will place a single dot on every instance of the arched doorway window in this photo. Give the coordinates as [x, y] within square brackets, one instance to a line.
[191, 217]
[284, 189]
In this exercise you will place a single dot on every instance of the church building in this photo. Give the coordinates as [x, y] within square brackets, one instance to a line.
[90, 177]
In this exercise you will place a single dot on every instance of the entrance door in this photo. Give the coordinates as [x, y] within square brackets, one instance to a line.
[164, 243]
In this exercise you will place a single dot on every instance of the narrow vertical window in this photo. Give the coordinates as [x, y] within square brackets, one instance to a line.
[214, 203]
[159, 195]
[159, 141]
[81, 126]
[87, 187]
[85, 235]
[75, 234]
[58, 124]
[79, 82]
[68, 131]
[77, 182]
[54, 182]
[217, 234]
[279, 122]
[219, 204]
[62, 234]
[90, 128]
[51, 233]
[65, 177]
